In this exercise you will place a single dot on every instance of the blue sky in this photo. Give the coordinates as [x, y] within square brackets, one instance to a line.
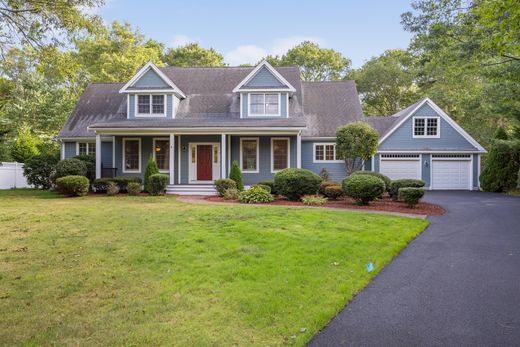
[245, 31]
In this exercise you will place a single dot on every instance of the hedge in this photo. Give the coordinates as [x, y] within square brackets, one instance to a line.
[402, 183]
[295, 183]
[158, 183]
[500, 173]
[73, 185]
[363, 188]
[411, 195]
[223, 184]
[385, 179]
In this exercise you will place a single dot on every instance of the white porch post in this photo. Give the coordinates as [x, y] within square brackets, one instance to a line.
[98, 156]
[299, 150]
[171, 153]
[223, 152]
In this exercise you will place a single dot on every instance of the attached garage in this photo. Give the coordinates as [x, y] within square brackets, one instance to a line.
[397, 166]
[451, 171]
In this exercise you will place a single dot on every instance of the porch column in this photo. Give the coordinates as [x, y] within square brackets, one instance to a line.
[98, 156]
[223, 152]
[171, 153]
[299, 150]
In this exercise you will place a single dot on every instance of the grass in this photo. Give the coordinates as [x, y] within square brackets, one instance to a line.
[155, 271]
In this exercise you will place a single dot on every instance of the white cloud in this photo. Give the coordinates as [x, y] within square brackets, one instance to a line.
[248, 54]
[251, 54]
[182, 40]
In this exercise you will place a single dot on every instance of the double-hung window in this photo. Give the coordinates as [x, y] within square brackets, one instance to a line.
[131, 155]
[249, 153]
[264, 104]
[150, 105]
[325, 152]
[279, 154]
[426, 127]
[161, 153]
[86, 148]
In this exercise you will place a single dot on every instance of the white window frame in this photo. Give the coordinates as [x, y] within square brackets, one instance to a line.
[88, 145]
[257, 154]
[150, 101]
[425, 136]
[324, 160]
[153, 150]
[288, 152]
[125, 139]
[264, 114]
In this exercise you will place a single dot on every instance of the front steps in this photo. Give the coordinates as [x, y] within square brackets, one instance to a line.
[191, 189]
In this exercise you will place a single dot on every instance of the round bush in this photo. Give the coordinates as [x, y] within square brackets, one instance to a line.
[70, 167]
[385, 179]
[402, 183]
[255, 195]
[100, 185]
[112, 189]
[158, 183]
[231, 194]
[264, 187]
[133, 188]
[295, 183]
[90, 162]
[363, 188]
[73, 185]
[411, 195]
[333, 192]
[223, 184]
[270, 184]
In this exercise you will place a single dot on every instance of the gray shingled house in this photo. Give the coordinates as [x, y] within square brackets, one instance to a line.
[195, 121]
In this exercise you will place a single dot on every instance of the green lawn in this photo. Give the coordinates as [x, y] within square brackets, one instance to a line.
[154, 271]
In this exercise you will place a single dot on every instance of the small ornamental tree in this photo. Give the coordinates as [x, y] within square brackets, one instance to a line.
[236, 175]
[355, 143]
[151, 169]
[25, 145]
[39, 170]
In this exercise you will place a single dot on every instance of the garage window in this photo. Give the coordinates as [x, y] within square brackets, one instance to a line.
[426, 127]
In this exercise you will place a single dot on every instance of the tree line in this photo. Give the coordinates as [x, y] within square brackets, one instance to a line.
[465, 55]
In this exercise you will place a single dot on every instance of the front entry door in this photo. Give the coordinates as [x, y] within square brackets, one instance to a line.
[204, 163]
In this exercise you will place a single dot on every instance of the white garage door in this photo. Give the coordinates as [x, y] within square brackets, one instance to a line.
[451, 173]
[397, 166]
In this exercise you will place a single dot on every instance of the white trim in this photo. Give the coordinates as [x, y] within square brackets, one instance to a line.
[425, 136]
[113, 151]
[310, 138]
[128, 106]
[150, 103]
[85, 139]
[197, 130]
[273, 71]
[62, 151]
[213, 164]
[419, 159]
[427, 152]
[441, 113]
[98, 155]
[288, 139]
[241, 104]
[153, 152]
[141, 72]
[171, 158]
[223, 153]
[179, 160]
[88, 143]
[372, 163]
[478, 170]
[299, 150]
[257, 154]
[470, 181]
[324, 161]
[287, 105]
[261, 115]
[123, 154]
[229, 154]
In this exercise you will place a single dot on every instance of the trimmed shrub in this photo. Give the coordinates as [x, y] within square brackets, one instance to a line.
[112, 189]
[158, 183]
[264, 187]
[270, 184]
[363, 188]
[314, 200]
[411, 195]
[133, 188]
[221, 185]
[123, 181]
[255, 195]
[403, 183]
[326, 184]
[295, 183]
[39, 170]
[385, 179]
[100, 185]
[333, 192]
[70, 167]
[236, 175]
[231, 194]
[151, 169]
[90, 162]
[500, 174]
[324, 174]
[73, 185]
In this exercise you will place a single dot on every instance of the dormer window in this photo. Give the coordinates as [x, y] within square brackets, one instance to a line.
[150, 105]
[425, 127]
[264, 104]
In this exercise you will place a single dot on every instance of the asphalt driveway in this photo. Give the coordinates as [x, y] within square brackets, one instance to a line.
[457, 284]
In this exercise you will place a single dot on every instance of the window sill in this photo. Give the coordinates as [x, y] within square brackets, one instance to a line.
[426, 136]
[327, 161]
[248, 171]
[131, 171]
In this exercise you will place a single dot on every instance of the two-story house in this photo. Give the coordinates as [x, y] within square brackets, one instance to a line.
[195, 121]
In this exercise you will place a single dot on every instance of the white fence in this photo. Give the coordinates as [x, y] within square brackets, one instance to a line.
[11, 176]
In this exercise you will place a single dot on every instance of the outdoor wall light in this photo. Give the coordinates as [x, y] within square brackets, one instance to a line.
[426, 164]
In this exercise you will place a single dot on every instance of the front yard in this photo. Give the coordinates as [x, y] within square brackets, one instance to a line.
[154, 271]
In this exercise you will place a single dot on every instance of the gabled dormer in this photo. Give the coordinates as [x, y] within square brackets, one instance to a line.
[264, 93]
[151, 94]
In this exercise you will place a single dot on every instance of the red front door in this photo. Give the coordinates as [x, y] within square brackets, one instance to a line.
[204, 163]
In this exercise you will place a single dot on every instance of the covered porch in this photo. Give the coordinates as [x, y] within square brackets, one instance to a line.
[200, 158]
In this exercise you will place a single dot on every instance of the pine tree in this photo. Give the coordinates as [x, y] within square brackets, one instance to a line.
[151, 169]
[236, 175]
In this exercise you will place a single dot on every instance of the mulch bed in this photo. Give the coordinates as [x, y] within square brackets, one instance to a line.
[385, 204]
